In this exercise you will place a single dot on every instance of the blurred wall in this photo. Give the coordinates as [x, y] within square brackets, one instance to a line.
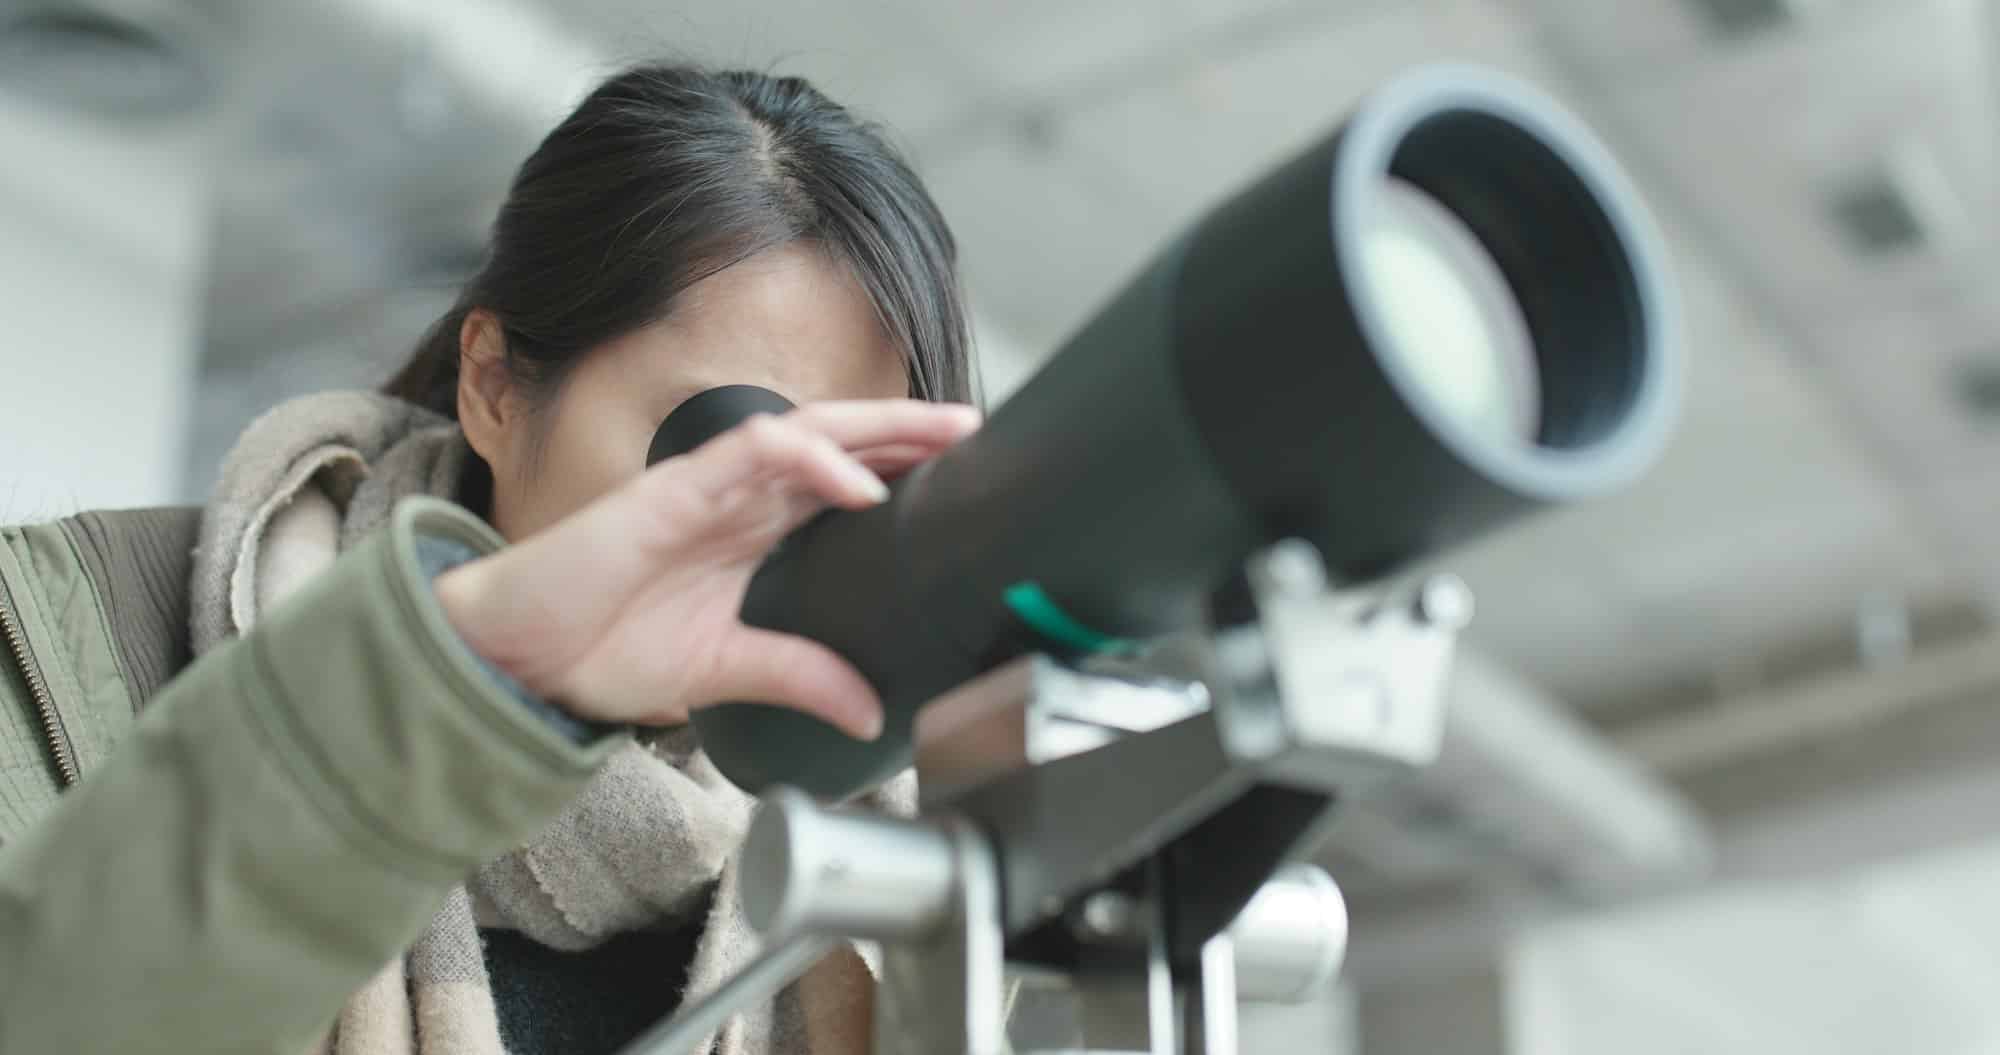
[102, 250]
[1323, 1026]
[1881, 960]
[1461, 1013]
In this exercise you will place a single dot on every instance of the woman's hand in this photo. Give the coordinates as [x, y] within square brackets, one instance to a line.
[626, 611]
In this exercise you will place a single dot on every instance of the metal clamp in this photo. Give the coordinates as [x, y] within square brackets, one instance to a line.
[1143, 818]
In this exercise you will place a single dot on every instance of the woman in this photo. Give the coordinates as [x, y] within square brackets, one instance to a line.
[422, 618]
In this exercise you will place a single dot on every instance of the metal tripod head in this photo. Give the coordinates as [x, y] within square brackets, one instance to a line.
[1127, 824]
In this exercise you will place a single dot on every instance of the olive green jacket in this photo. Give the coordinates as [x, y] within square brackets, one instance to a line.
[217, 865]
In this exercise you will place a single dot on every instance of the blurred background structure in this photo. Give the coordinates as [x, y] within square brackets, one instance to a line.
[1722, 772]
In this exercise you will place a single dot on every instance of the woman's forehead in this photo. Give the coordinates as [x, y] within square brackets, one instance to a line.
[787, 319]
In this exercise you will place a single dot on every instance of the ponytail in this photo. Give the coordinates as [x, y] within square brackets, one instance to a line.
[430, 378]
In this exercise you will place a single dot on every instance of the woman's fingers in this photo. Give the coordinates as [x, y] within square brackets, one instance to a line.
[780, 448]
[809, 447]
[855, 424]
[762, 666]
[894, 458]
[671, 550]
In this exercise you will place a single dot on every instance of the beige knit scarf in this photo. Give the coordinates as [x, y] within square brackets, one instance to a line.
[651, 835]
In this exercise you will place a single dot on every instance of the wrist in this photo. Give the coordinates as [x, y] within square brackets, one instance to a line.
[474, 608]
[464, 593]
[460, 588]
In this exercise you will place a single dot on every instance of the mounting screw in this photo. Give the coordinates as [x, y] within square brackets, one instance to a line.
[1106, 916]
[1444, 601]
[1294, 566]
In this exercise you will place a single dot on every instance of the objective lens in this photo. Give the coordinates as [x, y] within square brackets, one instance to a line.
[1454, 327]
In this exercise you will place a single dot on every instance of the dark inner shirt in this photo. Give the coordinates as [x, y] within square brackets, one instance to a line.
[593, 1002]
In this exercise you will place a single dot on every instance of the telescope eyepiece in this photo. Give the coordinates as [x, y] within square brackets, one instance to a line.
[708, 414]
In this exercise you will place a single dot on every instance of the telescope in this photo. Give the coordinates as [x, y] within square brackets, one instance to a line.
[1142, 631]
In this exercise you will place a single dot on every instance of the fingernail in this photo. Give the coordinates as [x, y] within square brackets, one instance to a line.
[877, 491]
[871, 727]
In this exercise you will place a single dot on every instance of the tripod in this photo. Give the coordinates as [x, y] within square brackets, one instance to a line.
[1123, 825]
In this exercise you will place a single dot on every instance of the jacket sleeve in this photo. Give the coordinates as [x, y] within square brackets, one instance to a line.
[282, 820]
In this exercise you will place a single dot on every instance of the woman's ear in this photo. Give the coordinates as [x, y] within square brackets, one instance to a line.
[485, 391]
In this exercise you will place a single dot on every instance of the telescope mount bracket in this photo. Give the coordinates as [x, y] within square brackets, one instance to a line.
[1126, 825]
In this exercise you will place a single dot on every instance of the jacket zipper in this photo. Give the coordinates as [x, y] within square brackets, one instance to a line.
[45, 704]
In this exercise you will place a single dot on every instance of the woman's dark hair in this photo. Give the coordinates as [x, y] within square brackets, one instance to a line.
[668, 174]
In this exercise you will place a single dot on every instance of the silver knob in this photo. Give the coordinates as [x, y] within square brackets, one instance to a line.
[805, 869]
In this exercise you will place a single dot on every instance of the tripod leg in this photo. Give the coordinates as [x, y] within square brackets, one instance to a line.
[1124, 979]
[1209, 1024]
[947, 995]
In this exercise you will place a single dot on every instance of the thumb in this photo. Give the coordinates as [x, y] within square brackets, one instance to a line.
[763, 666]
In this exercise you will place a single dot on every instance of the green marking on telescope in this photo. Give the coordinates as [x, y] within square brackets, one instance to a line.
[1040, 611]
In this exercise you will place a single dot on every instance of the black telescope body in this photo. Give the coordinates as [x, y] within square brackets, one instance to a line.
[1250, 384]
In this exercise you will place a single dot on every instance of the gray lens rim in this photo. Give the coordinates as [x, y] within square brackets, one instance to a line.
[1363, 160]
